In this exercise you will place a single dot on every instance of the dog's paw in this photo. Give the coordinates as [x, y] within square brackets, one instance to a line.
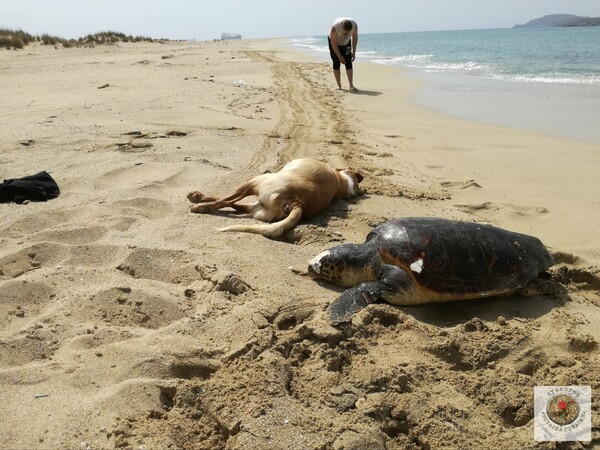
[196, 197]
[200, 209]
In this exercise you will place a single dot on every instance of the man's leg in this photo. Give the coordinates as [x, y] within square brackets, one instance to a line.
[350, 80]
[338, 78]
[336, 65]
[348, 57]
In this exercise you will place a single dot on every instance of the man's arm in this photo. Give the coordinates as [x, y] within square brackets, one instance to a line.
[354, 41]
[334, 45]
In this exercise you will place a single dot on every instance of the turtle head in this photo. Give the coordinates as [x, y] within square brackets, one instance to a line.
[345, 265]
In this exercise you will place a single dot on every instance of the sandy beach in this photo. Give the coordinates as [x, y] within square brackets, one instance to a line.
[128, 322]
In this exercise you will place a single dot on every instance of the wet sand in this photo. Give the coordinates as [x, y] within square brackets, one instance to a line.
[563, 110]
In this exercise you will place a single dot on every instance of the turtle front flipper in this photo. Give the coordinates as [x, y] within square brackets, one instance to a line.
[393, 284]
[353, 300]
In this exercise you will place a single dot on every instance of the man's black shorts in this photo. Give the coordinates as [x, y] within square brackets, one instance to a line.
[345, 50]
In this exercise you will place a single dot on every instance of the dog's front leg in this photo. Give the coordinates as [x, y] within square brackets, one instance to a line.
[205, 203]
[213, 206]
[208, 204]
[199, 197]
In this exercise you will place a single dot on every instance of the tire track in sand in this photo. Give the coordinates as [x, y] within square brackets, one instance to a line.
[314, 123]
[311, 122]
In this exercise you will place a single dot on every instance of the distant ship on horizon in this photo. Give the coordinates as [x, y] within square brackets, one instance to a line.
[226, 36]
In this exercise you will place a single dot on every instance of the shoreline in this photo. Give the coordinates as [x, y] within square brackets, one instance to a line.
[563, 110]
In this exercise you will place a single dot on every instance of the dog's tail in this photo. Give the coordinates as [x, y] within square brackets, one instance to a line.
[271, 230]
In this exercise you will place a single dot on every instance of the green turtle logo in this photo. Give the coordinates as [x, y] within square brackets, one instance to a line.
[562, 409]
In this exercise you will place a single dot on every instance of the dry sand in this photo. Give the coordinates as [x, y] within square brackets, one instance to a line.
[127, 321]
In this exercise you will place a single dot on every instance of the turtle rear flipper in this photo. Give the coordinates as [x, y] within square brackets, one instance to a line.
[543, 287]
[353, 300]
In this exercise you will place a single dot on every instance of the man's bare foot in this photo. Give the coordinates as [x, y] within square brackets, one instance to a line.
[353, 89]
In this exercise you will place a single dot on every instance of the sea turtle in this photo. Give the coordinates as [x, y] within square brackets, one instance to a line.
[417, 260]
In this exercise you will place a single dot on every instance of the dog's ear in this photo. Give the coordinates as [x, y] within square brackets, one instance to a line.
[357, 174]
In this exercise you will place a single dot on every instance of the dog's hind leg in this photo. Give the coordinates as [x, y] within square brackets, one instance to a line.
[273, 229]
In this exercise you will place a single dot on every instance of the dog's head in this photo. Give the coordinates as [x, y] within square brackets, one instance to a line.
[353, 177]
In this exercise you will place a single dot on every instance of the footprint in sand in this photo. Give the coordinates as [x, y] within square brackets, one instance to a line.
[290, 317]
[61, 230]
[128, 307]
[15, 265]
[30, 297]
[71, 235]
[460, 184]
[51, 254]
[22, 302]
[145, 176]
[135, 144]
[149, 208]
[586, 278]
[38, 222]
[23, 349]
[100, 335]
[189, 368]
[505, 208]
[169, 266]
[133, 147]
[131, 176]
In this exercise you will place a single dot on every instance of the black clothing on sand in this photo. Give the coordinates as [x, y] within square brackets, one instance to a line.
[37, 188]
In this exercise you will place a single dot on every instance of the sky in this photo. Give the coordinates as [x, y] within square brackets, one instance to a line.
[253, 19]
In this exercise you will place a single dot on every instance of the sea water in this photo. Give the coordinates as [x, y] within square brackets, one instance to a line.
[546, 79]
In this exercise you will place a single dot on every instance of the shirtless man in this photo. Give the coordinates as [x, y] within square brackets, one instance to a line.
[343, 38]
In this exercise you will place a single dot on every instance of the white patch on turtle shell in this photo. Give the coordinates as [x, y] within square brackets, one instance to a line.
[315, 263]
[417, 266]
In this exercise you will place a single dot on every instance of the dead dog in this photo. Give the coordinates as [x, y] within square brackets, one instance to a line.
[301, 189]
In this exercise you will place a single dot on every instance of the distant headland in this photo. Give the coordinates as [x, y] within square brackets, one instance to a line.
[561, 20]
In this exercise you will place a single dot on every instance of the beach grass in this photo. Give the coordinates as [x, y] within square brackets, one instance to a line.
[19, 39]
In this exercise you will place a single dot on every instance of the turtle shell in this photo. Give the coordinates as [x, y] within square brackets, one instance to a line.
[460, 259]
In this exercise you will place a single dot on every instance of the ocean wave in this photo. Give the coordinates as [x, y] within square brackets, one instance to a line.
[401, 59]
[426, 64]
[313, 44]
[550, 78]
[469, 66]
[303, 41]
[366, 53]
